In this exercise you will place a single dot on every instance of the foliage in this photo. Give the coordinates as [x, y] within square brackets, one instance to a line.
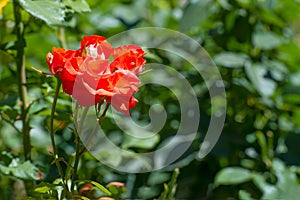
[255, 45]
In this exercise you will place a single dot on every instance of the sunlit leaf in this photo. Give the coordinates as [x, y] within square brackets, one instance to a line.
[266, 40]
[100, 187]
[144, 143]
[20, 170]
[78, 5]
[25, 170]
[230, 59]
[44, 187]
[51, 12]
[287, 186]
[257, 74]
[232, 176]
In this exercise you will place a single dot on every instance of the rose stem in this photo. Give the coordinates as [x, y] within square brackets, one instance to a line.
[21, 74]
[77, 142]
[52, 135]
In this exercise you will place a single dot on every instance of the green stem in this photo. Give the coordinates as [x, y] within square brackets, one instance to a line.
[21, 74]
[82, 119]
[77, 141]
[52, 135]
[103, 113]
[62, 37]
[79, 151]
[77, 158]
[91, 137]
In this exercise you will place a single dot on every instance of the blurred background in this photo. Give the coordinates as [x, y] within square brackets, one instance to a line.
[254, 43]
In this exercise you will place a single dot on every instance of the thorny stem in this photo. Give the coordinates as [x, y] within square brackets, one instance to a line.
[21, 75]
[22, 85]
[52, 135]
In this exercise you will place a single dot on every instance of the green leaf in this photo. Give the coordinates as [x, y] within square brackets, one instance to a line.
[24, 170]
[78, 5]
[263, 145]
[146, 192]
[285, 122]
[116, 189]
[125, 13]
[232, 176]
[287, 186]
[266, 40]
[201, 8]
[231, 60]
[8, 99]
[291, 98]
[264, 85]
[144, 143]
[51, 12]
[101, 187]
[44, 187]
[244, 195]
[295, 79]
[158, 178]
[271, 17]
[4, 170]
[9, 113]
[170, 188]
[245, 3]
[224, 4]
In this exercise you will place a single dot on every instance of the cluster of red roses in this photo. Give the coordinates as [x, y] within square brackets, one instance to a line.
[97, 72]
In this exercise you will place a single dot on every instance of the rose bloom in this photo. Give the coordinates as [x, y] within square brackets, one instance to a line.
[97, 72]
[129, 57]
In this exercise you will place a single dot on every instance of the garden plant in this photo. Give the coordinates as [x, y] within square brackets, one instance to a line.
[124, 99]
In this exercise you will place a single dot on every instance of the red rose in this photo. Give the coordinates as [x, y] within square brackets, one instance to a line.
[128, 57]
[65, 64]
[95, 45]
[126, 83]
[89, 76]
[58, 59]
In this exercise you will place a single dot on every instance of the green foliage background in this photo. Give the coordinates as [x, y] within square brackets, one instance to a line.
[253, 42]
